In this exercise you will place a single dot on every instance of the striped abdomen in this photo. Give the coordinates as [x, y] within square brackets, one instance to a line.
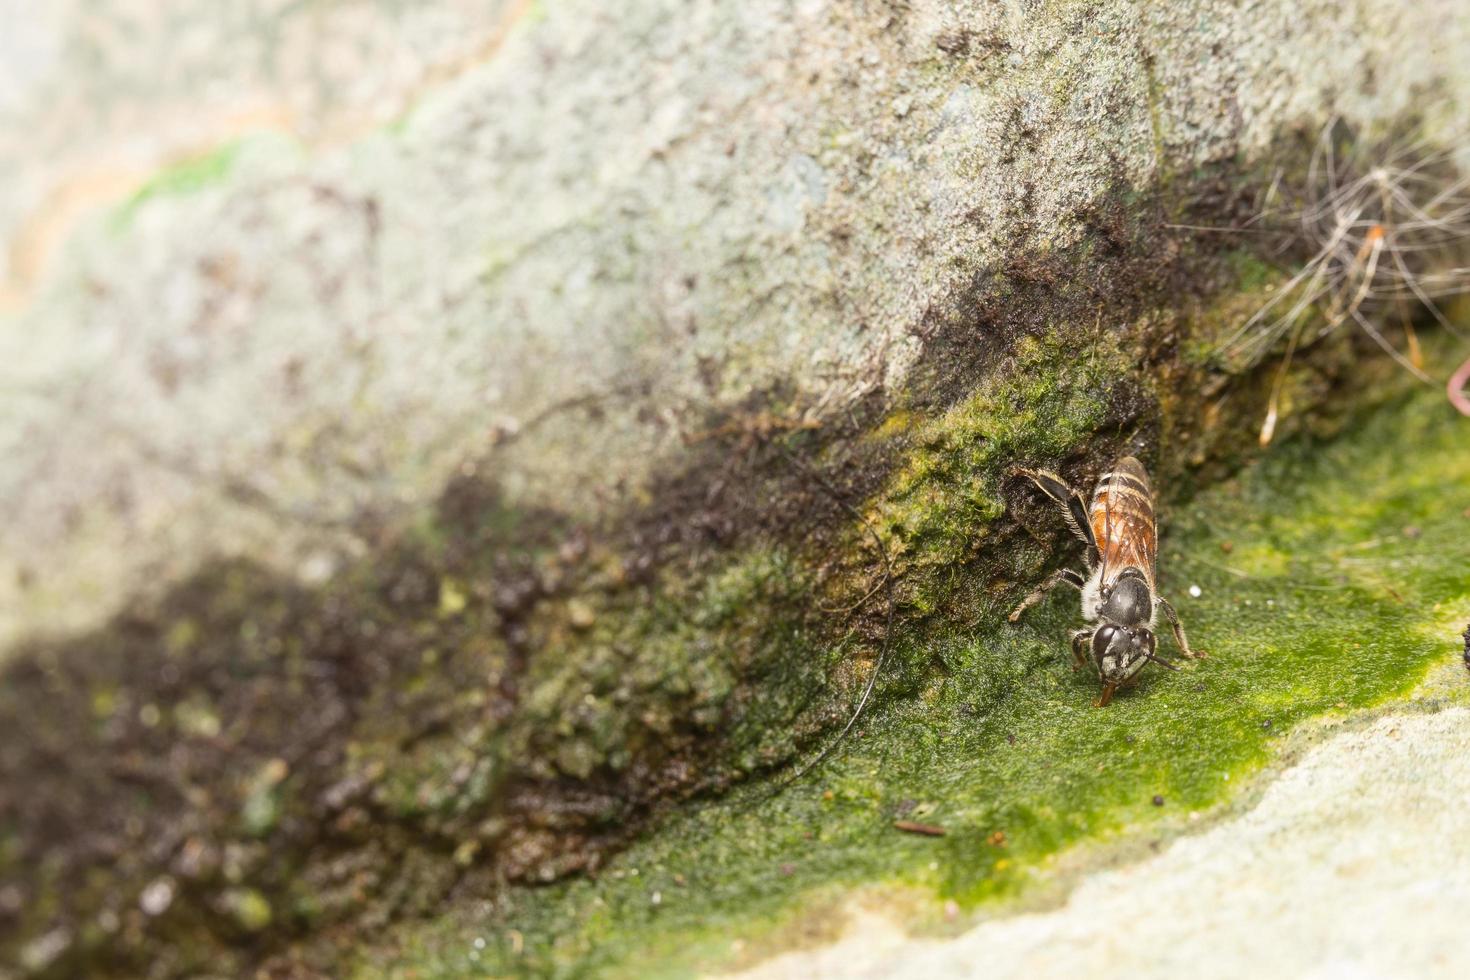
[1122, 517]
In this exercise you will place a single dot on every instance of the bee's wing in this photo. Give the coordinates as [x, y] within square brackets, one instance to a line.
[1143, 531]
[1109, 489]
[1128, 537]
[1149, 548]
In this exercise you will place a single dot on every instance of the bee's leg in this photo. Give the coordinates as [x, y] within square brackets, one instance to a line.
[1105, 696]
[1072, 578]
[1179, 636]
[1080, 640]
[1057, 489]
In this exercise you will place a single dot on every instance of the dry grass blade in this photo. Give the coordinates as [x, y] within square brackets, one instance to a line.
[1388, 232]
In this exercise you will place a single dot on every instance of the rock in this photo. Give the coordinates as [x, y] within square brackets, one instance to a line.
[298, 421]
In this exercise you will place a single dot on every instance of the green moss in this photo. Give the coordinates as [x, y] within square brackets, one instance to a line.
[1331, 576]
[250, 909]
[680, 651]
[185, 177]
[1042, 407]
[1252, 273]
[262, 806]
[1253, 281]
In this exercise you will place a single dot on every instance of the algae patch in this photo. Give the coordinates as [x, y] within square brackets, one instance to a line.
[1323, 574]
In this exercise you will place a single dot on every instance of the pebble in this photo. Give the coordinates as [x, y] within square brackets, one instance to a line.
[319, 567]
[157, 897]
[1195, 592]
[581, 614]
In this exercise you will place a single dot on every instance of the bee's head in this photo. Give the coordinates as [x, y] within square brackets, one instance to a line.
[1121, 651]
[1127, 602]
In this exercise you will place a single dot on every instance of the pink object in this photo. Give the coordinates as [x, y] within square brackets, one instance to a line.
[1457, 384]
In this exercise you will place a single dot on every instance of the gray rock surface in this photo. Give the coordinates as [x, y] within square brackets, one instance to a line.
[569, 231]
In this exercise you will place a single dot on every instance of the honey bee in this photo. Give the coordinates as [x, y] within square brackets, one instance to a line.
[1118, 594]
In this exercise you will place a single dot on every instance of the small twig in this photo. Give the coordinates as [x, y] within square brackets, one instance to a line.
[910, 827]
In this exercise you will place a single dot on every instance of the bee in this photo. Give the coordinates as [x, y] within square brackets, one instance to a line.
[1119, 596]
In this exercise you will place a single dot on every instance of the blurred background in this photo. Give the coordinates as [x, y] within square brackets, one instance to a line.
[523, 487]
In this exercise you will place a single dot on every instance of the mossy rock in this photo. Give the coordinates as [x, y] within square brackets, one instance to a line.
[1326, 579]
